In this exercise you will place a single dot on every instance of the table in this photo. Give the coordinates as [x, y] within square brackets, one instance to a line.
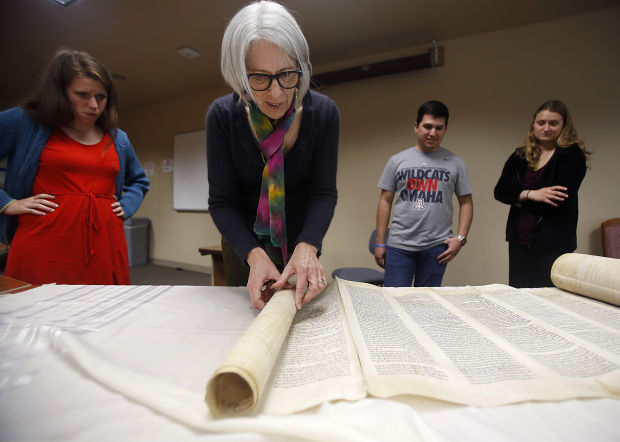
[219, 274]
[13, 285]
[166, 341]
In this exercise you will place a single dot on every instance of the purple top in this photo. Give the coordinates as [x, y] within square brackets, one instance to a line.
[527, 219]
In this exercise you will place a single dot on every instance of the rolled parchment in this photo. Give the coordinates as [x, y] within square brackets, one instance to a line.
[236, 386]
[588, 275]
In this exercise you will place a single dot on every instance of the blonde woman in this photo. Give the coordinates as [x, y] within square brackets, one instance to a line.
[540, 182]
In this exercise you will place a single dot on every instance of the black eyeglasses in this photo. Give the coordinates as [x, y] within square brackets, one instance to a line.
[286, 80]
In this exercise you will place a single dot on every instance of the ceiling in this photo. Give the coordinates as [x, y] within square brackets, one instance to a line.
[138, 38]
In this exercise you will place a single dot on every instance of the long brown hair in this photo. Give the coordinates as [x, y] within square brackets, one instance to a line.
[49, 104]
[532, 150]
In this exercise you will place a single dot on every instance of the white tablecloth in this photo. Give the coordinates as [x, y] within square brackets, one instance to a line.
[162, 344]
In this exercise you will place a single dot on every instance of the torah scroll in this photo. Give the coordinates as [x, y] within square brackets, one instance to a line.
[592, 276]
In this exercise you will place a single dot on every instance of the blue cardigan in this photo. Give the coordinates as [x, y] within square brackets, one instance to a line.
[22, 140]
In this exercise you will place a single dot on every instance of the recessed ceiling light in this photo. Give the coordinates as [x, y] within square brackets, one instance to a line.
[63, 2]
[188, 52]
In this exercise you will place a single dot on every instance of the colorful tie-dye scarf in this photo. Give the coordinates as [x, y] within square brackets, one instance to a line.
[270, 224]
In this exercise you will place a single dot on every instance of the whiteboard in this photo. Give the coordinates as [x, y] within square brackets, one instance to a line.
[190, 188]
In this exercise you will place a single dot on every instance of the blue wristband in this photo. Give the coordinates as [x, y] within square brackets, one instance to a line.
[379, 245]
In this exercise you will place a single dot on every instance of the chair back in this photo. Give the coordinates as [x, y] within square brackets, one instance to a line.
[610, 230]
[373, 240]
[363, 274]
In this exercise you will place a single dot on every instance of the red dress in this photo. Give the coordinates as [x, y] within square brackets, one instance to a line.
[82, 241]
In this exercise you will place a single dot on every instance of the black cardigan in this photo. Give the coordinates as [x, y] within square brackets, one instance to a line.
[555, 227]
[235, 168]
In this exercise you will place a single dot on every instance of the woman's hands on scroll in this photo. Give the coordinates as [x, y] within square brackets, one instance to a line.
[310, 274]
[262, 271]
[303, 263]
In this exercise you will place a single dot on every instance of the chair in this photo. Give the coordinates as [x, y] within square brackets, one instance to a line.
[611, 237]
[363, 274]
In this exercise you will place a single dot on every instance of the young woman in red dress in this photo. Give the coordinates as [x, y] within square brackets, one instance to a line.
[72, 178]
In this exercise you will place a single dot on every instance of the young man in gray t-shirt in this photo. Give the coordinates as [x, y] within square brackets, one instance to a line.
[422, 180]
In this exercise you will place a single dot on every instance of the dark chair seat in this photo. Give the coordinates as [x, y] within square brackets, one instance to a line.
[359, 274]
[363, 274]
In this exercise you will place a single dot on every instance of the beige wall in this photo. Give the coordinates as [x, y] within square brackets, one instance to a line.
[491, 82]
[174, 236]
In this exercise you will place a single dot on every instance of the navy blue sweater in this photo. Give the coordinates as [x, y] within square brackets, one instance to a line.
[235, 166]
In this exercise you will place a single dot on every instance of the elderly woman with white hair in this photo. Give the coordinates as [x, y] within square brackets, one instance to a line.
[272, 152]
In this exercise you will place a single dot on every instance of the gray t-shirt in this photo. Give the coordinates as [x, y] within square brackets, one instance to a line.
[423, 185]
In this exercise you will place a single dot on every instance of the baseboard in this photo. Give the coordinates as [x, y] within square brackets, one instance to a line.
[182, 265]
